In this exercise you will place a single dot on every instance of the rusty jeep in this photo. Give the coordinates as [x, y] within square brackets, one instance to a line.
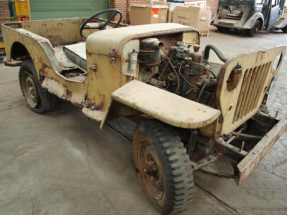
[190, 111]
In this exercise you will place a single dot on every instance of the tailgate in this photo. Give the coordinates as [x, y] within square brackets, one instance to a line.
[247, 165]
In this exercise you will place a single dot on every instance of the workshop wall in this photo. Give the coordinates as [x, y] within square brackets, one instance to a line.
[56, 9]
[4, 10]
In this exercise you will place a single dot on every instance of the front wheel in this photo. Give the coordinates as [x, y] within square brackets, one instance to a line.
[254, 31]
[164, 170]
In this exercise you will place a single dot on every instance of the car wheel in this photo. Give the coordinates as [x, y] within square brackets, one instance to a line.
[220, 28]
[284, 29]
[37, 98]
[164, 170]
[254, 31]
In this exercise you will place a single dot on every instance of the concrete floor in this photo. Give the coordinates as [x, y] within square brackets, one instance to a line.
[61, 163]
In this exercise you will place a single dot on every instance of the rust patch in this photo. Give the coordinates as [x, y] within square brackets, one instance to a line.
[101, 105]
[69, 94]
[115, 53]
[98, 106]
[247, 165]
[78, 105]
[129, 78]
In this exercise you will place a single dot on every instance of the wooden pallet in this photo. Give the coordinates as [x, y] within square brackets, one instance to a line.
[204, 34]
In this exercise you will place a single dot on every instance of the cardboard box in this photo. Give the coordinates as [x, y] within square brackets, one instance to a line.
[196, 3]
[171, 7]
[148, 14]
[156, 2]
[198, 17]
[169, 17]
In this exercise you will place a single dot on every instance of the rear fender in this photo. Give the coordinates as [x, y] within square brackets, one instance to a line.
[251, 21]
[281, 22]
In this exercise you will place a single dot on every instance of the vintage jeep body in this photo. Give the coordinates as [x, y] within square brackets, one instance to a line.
[189, 111]
[250, 16]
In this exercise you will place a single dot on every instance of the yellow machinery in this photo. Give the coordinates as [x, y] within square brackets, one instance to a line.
[22, 13]
[22, 9]
[2, 47]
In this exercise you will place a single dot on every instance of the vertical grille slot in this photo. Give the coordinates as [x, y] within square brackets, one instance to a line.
[245, 93]
[241, 99]
[252, 86]
[253, 89]
[249, 92]
[262, 81]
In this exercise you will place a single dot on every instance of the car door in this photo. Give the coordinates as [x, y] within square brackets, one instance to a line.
[265, 11]
[274, 14]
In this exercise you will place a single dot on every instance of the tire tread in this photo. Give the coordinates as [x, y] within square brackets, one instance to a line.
[48, 100]
[179, 183]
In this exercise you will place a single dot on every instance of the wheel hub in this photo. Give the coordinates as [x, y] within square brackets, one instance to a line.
[30, 90]
[151, 170]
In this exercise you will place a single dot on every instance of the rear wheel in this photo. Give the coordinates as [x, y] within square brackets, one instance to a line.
[284, 29]
[164, 170]
[254, 31]
[220, 28]
[37, 98]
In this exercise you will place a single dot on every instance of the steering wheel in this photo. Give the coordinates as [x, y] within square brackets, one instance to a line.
[101, 26]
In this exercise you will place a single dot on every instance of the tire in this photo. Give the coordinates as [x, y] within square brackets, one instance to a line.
[220, 28]
[164, 170]
[38, 99]
[254, 30]
[284, 29]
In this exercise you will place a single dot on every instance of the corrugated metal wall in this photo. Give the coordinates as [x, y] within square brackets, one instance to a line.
[57, 9]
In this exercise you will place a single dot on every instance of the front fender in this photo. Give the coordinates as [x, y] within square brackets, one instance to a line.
[281, 22]
[251, 21]
[159, 104]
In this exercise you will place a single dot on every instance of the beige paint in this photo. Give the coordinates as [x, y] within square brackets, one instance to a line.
[165, 106]
[109, 90]
[259, 61]
[94, 92]
[235, 111]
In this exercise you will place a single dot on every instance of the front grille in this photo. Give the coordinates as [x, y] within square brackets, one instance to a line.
[251, 90]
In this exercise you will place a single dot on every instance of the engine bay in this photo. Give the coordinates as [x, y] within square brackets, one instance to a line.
[181, 70]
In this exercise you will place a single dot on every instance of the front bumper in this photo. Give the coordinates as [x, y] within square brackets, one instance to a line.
[228, 26]
[246, 166]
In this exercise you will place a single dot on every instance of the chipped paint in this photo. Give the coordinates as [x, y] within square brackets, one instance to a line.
[165, 106]
[111, 90]
[260, 64]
